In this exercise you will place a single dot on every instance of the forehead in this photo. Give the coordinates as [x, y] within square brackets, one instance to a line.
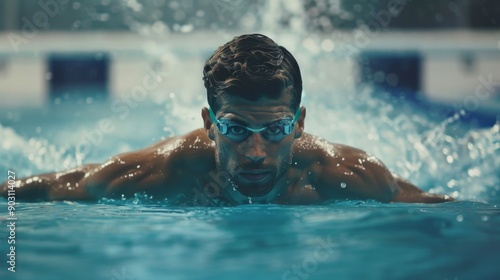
[259, 111]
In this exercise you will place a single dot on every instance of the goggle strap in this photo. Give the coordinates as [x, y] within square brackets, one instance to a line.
[288, 128]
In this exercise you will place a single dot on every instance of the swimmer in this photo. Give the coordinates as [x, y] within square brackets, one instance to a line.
[252, 148]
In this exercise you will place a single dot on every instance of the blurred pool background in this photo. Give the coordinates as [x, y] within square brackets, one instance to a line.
[415, 83]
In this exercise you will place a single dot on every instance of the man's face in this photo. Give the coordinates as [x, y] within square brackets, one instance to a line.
[254, 164]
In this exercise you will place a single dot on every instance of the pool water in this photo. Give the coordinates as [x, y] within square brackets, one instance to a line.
[145, 239]
[345, 240]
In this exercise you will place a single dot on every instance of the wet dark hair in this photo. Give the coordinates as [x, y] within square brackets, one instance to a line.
[252, 66]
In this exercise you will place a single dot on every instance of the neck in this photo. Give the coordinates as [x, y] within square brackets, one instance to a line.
[238, 198]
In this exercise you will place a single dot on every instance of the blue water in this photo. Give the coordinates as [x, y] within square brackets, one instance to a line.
[144, 239]
[348, 240]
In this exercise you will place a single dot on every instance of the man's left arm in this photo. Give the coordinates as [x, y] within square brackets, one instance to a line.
[402, 190]
[407, 192]
[354, 174]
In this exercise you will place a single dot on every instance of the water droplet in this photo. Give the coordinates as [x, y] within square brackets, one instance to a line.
[474, 172]
[327, 45]
[460, 218]
[452, 183]
[449, 159]
[308, 186]
[250, 200]
[138, 166]
[343, 185]
[186, 28]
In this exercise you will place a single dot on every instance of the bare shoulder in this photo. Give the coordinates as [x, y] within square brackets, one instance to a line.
[163, 169]
[196, 151]
[178, 151]
[314, 149]
[342, 171]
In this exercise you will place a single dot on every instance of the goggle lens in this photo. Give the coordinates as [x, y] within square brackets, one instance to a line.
[274, 132]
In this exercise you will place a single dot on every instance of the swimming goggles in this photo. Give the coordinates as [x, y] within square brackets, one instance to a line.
[273, 132]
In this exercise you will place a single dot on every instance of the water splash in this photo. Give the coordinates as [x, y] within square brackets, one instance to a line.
[32, 155]
[436, 153]
[441, 155]
[140, 198]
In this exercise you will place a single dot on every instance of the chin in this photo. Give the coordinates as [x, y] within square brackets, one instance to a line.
[254, 189]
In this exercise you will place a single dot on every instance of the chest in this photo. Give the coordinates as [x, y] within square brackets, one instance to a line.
[300, 189]
[295, 187]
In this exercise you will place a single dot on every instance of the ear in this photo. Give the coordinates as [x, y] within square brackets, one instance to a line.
[207, 123]
[300, 123]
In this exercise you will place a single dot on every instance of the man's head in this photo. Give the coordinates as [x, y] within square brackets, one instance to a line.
[254, 90]
[252, 66]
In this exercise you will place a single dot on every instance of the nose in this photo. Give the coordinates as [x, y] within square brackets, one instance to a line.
[255, 147]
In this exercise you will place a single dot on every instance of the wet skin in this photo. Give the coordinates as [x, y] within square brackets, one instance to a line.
[204, 167]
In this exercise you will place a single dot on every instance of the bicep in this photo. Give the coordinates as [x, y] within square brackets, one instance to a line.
[354, 174]
[125, 175]
[357, 175]
[120, 175]
[67, 185]
[373, 181]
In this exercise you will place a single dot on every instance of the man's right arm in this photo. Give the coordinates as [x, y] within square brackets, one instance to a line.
[50, 185]
[147, 170]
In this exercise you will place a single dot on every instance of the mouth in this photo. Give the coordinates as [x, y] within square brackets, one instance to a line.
[255, 176]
